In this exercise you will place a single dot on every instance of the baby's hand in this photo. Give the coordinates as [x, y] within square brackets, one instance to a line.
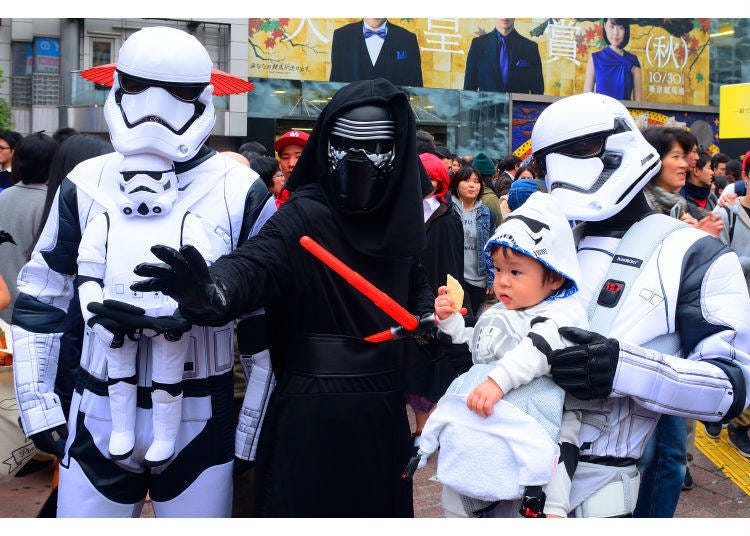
[483, 397]
[444, 306]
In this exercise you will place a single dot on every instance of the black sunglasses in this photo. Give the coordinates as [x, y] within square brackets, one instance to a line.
[584, 147]
[132, 85]
[156, 175]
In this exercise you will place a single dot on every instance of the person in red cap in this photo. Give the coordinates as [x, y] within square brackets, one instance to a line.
[288, 148]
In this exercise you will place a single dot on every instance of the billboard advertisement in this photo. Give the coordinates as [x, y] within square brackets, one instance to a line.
[650, 60]
[704, 125]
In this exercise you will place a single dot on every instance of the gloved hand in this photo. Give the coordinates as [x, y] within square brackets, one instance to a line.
[6, 237]
[587, 370]
[173, 326]
[184, 276]
[120, 319]
[113, 320]
[46, 441]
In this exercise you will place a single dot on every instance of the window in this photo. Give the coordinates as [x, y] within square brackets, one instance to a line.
[101, 54]
[20, 79]
[45, 85]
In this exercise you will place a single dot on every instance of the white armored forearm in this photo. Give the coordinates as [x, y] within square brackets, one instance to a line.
[45, 291]
[667, 384]
[260, 383]
[34, 370]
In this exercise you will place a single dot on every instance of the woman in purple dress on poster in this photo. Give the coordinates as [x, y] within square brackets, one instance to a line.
[614, 71]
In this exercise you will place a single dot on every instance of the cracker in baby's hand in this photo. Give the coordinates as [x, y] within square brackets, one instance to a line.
[456, 292]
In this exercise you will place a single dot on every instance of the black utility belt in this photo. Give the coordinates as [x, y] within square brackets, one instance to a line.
[326, 355]
[612, 461]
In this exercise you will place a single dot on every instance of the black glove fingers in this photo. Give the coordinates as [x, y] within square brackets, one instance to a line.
[152, 284]
[578, 335]
[567, 377]
[46, 442]
[124, 307]
[196, 263]
[100, 318]
[155, 269]
[176, 268]
[567, 357]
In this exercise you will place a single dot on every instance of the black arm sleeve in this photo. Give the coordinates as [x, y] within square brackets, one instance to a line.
[256, 198]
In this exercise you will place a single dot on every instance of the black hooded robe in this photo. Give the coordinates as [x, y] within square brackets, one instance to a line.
[335, 438]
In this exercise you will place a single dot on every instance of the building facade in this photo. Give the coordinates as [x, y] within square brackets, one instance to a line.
[289, 61]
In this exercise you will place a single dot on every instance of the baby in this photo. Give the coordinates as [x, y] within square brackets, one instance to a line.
[498, 425]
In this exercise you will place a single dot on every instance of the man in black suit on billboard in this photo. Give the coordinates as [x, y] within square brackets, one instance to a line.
[503, 60]
[375, 48]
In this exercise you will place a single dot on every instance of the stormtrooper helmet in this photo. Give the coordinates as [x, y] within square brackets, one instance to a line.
[593, 157]
[160, 101]
[148, 186]
[360, 156]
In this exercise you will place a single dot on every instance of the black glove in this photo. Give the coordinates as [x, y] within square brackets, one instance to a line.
[185, 278]
[6, 237]
[47, 442]
[122, 319]
[586, 371]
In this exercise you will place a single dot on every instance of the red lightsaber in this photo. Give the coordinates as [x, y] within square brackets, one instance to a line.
[387, 304]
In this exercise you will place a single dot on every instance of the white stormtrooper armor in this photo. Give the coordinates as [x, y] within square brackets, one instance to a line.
[214, 208]
[673, 297]
[593, 156]
[161, 103]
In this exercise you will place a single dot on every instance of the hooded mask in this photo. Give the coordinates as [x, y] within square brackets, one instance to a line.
[392, 225]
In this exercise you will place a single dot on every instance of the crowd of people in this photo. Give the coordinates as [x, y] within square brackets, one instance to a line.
[563, 322]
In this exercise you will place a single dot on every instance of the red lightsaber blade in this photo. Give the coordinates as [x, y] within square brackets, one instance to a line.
[384, 302]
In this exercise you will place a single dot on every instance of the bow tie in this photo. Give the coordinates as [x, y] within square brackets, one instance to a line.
[380, 33]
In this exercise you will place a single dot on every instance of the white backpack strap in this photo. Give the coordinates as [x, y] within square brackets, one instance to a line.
[635, 248]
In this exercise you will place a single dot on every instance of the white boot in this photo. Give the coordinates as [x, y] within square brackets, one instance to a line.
[122, 400]
[167, 412]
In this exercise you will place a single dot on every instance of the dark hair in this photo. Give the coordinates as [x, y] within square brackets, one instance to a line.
[254, 146]
[686, 139]
[252, 156]
[31, 159]
[662, 139]
[525, 168]
[734, 169]
[11, 137]
[625, 23]
[62, 134]
[549, 274]
[463, 173]
[426, 143]
[721, 182]
[266, 167]
[717, 159]
[703, 159]
[510, 162]
[443, 152]
[71, 152]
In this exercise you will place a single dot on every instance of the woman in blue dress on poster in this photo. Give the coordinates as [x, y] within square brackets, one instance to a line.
[613, 71]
